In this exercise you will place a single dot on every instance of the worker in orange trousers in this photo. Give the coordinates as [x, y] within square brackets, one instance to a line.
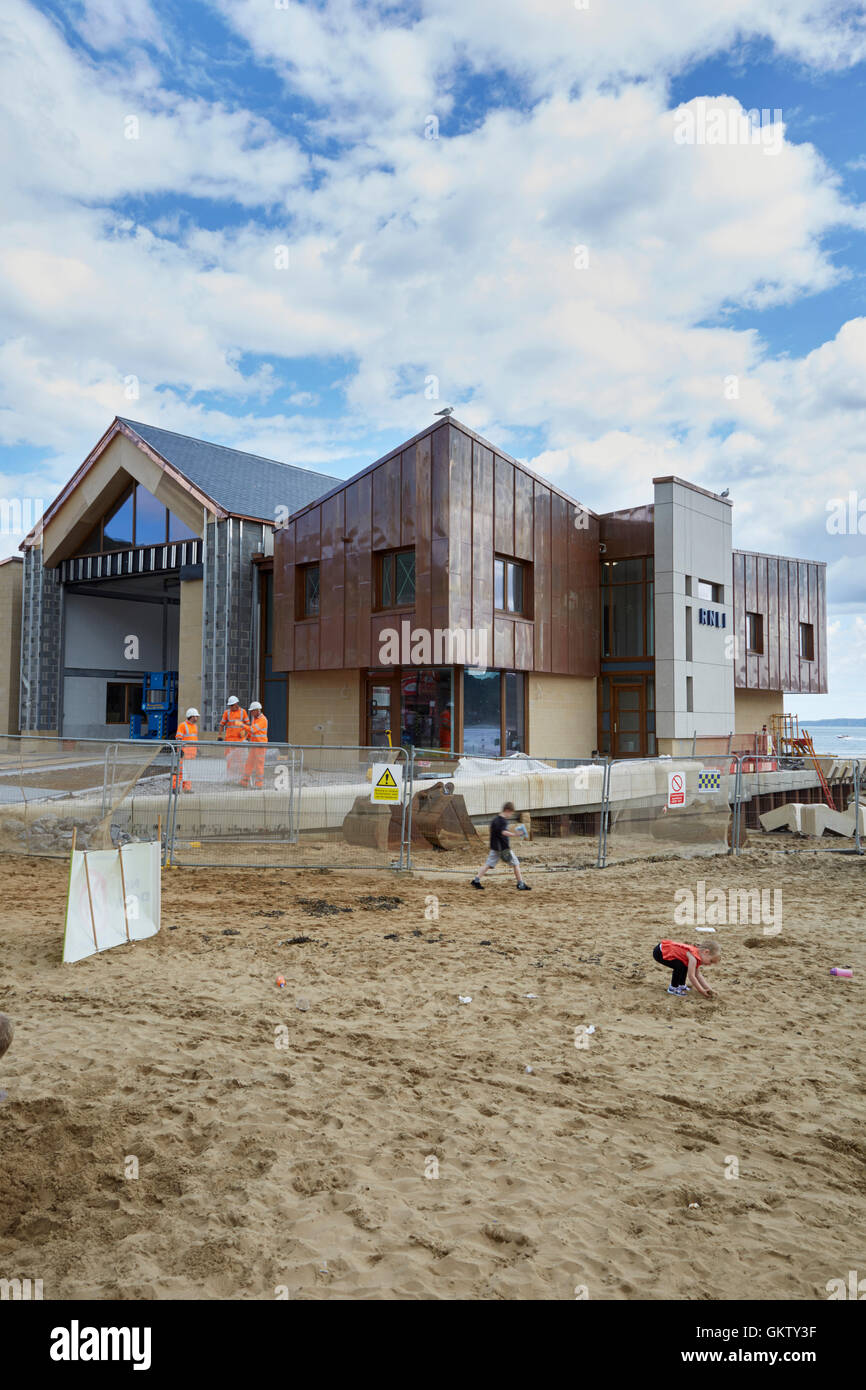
[257, 737]
[233, 729]
[187, 736]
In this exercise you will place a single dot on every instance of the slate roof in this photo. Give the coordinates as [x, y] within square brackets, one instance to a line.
[242, 484]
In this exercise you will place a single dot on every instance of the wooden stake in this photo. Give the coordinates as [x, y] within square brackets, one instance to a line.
[123, 890]
[90, 900]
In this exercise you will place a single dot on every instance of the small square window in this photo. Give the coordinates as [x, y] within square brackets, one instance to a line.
[714, 593]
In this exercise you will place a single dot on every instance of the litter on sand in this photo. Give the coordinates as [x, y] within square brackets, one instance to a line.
[465, 998]
[705, 929]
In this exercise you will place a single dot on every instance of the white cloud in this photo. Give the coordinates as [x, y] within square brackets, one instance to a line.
[453, 257]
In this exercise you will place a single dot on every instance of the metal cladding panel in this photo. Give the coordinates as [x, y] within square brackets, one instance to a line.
[332, 570]
[628, 533]
[523, 516]
[785, 593]
[308, 536]
[784, 628]
[364, 571]
[387, 504]
[423, 533]
[503, 506]
[503, 643]
[482, 540]
[542, 578]
[559, 538]
[408, 485]
[460, 530]
[283, 655]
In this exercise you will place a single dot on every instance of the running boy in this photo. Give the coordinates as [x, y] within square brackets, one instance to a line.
[685, 962]
[499, 848]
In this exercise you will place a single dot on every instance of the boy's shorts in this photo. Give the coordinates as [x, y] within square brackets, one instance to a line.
[506, 855]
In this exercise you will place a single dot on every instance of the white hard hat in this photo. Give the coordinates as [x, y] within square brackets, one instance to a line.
[232, 700]
[255, 705]
[192, 714]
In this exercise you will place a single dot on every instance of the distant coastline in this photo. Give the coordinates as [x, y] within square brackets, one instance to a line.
[838, 723]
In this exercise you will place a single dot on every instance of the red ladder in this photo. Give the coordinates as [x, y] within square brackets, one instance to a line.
[806, 747]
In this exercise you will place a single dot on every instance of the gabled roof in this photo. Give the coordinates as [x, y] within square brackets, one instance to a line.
[232, 483]
[245, 485]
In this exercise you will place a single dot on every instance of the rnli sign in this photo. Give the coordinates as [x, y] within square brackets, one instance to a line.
[387, 783]
[710, 618]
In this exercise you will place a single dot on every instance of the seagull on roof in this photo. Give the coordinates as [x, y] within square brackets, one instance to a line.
[726, 493]
[449, 410]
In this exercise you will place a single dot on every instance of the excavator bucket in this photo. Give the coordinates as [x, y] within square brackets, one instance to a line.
[375, 827]
[440, 817]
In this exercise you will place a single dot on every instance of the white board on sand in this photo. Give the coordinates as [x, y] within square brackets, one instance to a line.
[114, 897]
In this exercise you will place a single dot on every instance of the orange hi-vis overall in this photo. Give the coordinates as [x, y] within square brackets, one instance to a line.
[187, 734]
[257, 734]
[234, 724]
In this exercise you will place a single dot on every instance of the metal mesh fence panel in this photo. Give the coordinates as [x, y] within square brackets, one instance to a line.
[454, 798]
[101, 793]
[290, 806]
[800, 803]
[673, 807]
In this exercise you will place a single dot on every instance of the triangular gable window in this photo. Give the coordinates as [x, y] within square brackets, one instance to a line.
[136, 519]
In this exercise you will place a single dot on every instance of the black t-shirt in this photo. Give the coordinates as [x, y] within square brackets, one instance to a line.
[497, 839]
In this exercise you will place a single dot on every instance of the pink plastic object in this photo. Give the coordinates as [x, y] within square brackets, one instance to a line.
[845, 974]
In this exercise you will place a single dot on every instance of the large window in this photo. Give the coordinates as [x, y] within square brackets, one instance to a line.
[122, 701]
[509, 586]
[426, 708]
[493, 712]
[136, 519]
[627, 597]
[395, 579]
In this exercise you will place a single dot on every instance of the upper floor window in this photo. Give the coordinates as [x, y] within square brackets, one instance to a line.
[308, 591]
[628, 607]
[754, 632]
[713, 593]
[395, 579]
[509, 586]
[136, 519]
[807, 642]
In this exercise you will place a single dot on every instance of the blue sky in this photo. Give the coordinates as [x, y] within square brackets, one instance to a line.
[160, 154]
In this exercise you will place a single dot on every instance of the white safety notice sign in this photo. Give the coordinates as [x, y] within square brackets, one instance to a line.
[387, 783]
[676, 789]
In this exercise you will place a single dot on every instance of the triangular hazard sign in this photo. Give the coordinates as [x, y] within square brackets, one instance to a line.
[386, 780]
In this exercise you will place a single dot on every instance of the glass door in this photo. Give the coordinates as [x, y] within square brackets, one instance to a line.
[383, 711]
[627, 720]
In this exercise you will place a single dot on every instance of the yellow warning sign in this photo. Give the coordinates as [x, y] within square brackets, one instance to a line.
[387, 783]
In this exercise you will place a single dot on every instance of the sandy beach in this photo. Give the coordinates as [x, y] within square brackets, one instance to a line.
[395, 1144]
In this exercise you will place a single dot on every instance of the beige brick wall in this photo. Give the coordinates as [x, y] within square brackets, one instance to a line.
[11, 578]
[324, 707]
[752, 709]
[189, 653]
[563, 717]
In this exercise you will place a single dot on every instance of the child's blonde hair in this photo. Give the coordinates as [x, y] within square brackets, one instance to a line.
[712, 949]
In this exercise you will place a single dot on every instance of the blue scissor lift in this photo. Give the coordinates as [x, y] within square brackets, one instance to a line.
[158, 706]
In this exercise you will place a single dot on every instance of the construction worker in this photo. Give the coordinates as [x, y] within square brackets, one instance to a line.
[187, 735]
[257, 736]
[233, 729]
[445, 729]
